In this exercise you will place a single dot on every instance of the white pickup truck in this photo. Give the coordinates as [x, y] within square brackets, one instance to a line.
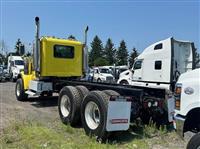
[102, 74]
[15, 66]
[187, 106]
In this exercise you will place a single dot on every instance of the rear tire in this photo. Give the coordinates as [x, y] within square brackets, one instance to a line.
[94, 114]
[194, 142]
[99, 80]
[111, 93]
[20, 91]
[83, 91]
[69, 102]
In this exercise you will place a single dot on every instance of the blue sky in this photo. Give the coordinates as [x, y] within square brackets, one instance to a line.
[139, 23]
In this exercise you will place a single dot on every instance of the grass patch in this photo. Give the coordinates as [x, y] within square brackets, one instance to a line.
[59, 136]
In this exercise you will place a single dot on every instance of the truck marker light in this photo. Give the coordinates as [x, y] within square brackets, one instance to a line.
[155, 103]
[120, 98]
[119, 121]
[145, 104]
[160, 104]
[149, 104]
[177, 104]
[178, 90]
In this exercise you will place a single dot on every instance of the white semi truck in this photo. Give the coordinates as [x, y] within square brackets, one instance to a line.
[15, 66]
[160, 64]
[187, 106]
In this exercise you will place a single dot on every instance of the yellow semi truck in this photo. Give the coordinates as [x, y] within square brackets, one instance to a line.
[58, 65]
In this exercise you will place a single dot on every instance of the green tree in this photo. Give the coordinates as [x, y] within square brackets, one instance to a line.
[2, 59]
[17, 46]
[132, 56]
[71, 37]
[109, 52]
[20, 48]
[96, 50]
[100, 62]
[122, 54]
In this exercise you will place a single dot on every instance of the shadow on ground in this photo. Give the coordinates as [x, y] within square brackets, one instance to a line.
[135, 132]
[44, 101]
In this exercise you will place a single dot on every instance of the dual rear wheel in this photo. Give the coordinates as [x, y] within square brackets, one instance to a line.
[78, 106]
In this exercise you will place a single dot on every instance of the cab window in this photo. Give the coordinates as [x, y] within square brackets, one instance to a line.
[61, 51]
[158, 46]
[158, 65]
[96, 71]
[138, 64]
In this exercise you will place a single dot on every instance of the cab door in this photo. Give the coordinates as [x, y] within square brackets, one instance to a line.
[137, 70]
[96, 74]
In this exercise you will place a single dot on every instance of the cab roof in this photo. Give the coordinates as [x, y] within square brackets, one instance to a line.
[61, 40]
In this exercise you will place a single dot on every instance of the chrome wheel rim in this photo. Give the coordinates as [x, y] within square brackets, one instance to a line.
[65, 105]
[92, 115]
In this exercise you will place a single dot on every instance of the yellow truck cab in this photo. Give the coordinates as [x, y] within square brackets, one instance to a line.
[53, 58]
[60, 57]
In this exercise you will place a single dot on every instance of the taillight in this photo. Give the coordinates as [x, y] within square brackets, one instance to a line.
[177, 95]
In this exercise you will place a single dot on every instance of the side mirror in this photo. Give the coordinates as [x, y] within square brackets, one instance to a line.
[132, 70]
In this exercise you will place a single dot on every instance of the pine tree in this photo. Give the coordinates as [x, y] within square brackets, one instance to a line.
[17, 46]
[132, 56]
[71, 37]
[122, 54]
[109, 52]
[96, 50]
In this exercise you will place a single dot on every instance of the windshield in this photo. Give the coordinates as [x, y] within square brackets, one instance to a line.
[19, 62]
[104, 70]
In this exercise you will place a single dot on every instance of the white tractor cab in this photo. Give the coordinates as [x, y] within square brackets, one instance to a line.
[15, 66]
[116, 70]
[102, 74]
[160, 64]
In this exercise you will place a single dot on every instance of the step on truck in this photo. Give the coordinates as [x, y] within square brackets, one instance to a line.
[58, 66]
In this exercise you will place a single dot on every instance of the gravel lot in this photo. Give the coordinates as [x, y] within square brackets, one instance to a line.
[44, 110]
[41, 109]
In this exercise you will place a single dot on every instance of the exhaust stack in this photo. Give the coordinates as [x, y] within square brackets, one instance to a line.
[36, 53]
[85, 53]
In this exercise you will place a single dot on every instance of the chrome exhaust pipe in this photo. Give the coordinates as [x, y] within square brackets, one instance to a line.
[85, 53]
[36, 53]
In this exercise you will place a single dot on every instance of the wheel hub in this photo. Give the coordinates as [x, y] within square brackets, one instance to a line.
[65, 105]
[92, 115]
